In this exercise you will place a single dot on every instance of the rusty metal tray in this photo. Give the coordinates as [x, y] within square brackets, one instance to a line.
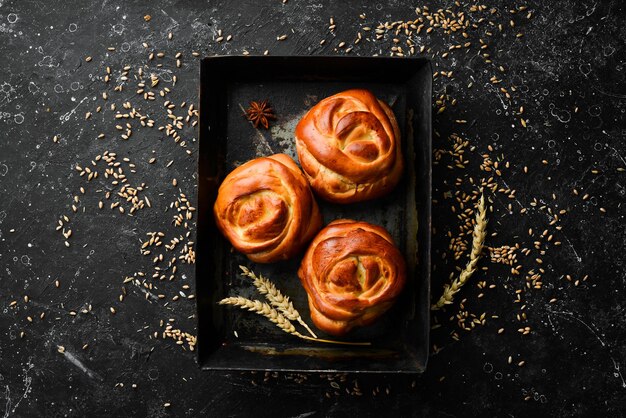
[232, 339]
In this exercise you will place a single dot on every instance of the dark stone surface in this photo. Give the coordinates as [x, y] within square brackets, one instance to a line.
[568, 70]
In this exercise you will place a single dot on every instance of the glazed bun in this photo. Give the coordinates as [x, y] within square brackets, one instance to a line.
[266, 209]
[349, 147]
[352, 273]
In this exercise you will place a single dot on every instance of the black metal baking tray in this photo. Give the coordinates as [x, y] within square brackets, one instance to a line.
[232, 339]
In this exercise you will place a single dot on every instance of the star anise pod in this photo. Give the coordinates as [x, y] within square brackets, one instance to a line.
[259, 113]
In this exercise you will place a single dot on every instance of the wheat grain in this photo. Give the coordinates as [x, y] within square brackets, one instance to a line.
[276, 298]
[478, 239]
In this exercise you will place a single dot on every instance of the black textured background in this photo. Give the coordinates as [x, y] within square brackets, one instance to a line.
[568, 70]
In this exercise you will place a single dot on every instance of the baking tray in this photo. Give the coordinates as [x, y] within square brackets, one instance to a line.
[233, 339]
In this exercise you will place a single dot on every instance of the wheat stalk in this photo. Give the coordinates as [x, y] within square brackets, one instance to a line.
[276, 298]
[478, 239]
[276, 317]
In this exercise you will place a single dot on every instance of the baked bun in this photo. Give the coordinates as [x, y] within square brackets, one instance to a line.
[349, 147]
[352, 273]
[266, 209]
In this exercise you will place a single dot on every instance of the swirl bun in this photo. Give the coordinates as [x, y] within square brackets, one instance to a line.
[352, 273]
[266, 209]
[349, 147]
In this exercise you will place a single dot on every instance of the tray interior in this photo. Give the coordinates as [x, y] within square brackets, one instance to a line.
[229, 338]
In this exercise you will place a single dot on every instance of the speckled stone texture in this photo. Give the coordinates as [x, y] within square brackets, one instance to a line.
[569, 73]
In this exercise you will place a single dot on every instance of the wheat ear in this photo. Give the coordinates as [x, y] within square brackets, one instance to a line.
[276, 298]
[478, 239]
[263, 309]
[276, 317]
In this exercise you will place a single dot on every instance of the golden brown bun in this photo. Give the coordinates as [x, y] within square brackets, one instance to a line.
[349, 147]
[266, 209]
[352, 273]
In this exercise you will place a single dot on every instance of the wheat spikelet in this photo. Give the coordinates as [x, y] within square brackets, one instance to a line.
[478, 239]
[276, 298]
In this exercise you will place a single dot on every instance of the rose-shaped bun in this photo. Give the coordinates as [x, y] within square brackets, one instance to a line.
[266, 209]
[349, 147]
[352, 273]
